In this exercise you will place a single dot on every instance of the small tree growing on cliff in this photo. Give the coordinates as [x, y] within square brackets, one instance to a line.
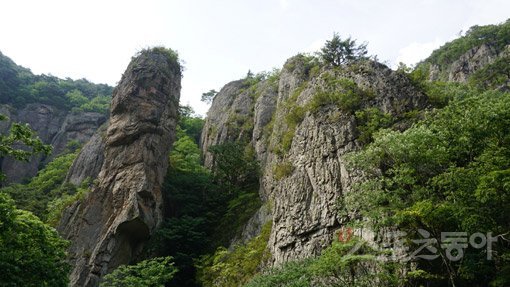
[337, 51]
[209, 96]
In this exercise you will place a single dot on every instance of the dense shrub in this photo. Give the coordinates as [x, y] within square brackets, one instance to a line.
[447, 173]
[148, 273]
[31, 253]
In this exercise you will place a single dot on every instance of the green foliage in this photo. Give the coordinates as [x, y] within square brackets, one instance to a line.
[59, 203]
[236, 170]
[185, 155]
[242, 204]
[237, 266]
[303, 65]
[148, 273]
[351, 263]
[21, 134]
[204, 209]
[98, 104]
[440, 93]
[31, 253]
[337, 51]
[294, 116]
[370, 120]
[283, 170]
[447, 173]
[252, 80]
[234, 165]
[19, 87]
[494, 75]
[291, 274]
[208, 96]
[496, 36]
[190, 123]
[240, 125]
[45, 187]
[341, 92]
[273, 78]
[172, 57]
[76, 97]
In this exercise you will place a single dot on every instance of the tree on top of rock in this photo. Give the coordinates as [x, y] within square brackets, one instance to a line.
[337, 51]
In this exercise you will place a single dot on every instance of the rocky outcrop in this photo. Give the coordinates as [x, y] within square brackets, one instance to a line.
[473, 60]
[89, 161]
[232, 107]
[53, 126]
[239, 112]
[305, 200]
[468, 64]
[305, 178]
[108, 227]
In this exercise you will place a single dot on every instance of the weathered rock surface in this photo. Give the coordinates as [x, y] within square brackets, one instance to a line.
[239, 113]
[473, 60]
[108, 228]
[89, 161]
[305, 212]
[232, 106]
[254, 225]
[53, 126]
[305, 201]
[470, 62]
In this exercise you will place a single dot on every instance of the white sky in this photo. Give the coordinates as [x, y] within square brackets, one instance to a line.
[221, 40]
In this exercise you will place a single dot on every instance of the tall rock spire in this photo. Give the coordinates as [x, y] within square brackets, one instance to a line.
[108, 227]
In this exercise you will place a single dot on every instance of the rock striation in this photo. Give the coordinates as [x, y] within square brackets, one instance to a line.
[109, 226]
[305, 198]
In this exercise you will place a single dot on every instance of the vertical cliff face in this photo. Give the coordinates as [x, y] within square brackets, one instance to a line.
[239, 112]
[473, 60]
[54, 126]
[302, 129]
[306, 181]
[110, 225]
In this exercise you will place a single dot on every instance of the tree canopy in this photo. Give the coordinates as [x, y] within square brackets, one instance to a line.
[148, 273]
[337, 51]
[208, 96]
[19, 87]
[31, 252]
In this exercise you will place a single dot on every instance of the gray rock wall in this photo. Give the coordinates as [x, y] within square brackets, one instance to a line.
[305, 202]
[108, 228]
[53, 126]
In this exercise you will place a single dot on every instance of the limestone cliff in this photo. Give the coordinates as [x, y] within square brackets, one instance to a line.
[302, 128]
[54, 126]
[472, 61]
[110, 225]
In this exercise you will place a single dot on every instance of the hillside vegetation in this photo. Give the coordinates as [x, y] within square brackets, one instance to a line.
[19, 87]
[419, 176]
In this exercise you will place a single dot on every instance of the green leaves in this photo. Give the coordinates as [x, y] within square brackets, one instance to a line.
[497, 36]
[208, 96]
[235, 267]
[337, 51]
[235, 165]
[148, 273]
[449, 172]
[351, 263]
[21, 143]
[185, 155]
[31, 253]
[45, 188]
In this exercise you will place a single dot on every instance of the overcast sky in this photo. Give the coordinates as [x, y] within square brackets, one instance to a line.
[220, 40]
